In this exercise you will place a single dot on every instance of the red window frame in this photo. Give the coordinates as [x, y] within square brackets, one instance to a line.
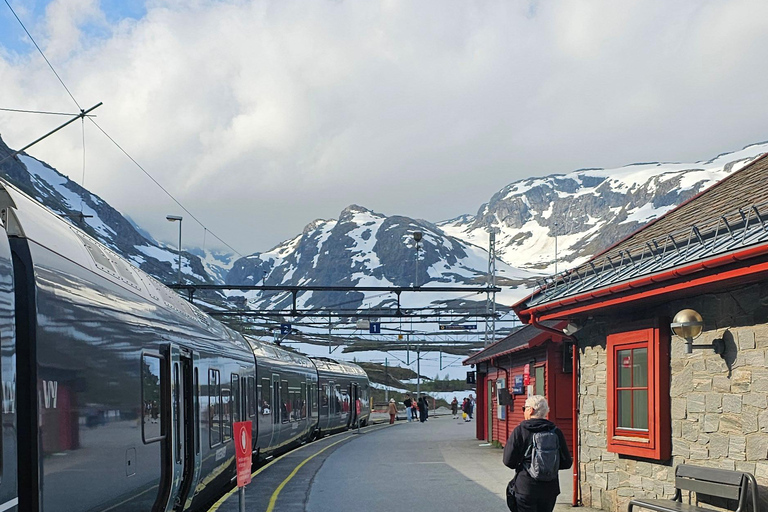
[655, 443]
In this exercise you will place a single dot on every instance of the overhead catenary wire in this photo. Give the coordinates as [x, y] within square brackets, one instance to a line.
[43, 55]
[82, 114]
[45, 112]
[163, 188]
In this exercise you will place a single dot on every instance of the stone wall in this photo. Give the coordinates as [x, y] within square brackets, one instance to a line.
[719, 409]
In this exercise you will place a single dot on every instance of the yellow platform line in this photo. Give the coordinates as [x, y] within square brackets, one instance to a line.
[228, 495]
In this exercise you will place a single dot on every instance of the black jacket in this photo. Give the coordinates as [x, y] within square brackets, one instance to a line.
[514, 454]
[407, 402]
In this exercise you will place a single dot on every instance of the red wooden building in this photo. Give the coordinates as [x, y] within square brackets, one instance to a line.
[530, 361]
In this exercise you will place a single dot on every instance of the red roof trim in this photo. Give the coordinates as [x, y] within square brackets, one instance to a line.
[559, 309]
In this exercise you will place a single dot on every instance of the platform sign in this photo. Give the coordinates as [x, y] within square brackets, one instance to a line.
[527, 374]
[285, 328]
[374, 327]
[243, 452]
[458, 327]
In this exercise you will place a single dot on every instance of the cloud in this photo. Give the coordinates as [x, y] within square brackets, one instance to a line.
[261, 116]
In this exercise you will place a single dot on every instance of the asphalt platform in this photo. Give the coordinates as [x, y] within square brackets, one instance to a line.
[436, 466]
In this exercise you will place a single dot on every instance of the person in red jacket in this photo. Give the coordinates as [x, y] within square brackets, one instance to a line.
[392, 410]
[527, 493]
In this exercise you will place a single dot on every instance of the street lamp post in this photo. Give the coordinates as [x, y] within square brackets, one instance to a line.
[174, 218]
[417, 237]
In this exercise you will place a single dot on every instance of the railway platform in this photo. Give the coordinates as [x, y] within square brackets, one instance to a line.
[433, 466]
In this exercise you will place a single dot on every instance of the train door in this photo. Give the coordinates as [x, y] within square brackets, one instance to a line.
[277, 410]
[181, 450]
[353, 394]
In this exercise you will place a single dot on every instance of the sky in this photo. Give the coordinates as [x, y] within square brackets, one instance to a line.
[260, 117]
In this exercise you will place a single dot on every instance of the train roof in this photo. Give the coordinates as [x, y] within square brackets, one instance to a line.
[26, 218]
[271, 351]
[333, 365]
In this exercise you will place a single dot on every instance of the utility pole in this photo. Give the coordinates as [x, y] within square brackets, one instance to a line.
[386, 379]
[490, 299]
[417, 237]
[418, 371]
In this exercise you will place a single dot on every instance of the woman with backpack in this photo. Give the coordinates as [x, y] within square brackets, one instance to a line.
[536, 450]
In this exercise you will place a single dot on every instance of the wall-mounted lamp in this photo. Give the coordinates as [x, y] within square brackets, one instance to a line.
[688, 325]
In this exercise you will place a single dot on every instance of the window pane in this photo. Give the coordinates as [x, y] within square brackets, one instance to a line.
[150, 395]
[624, 409]
[251, 397]
[539, 382]
[235, 386]
[641, 409]
[624, 368]
[285, 402]
[226, 415]
[640, 365]
[214, 414]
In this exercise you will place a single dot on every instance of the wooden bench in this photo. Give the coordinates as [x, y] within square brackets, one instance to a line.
[705, 482]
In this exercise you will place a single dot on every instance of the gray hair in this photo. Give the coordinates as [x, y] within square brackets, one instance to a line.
[539, 405]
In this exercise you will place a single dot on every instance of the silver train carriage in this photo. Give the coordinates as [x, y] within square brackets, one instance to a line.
[119, 395]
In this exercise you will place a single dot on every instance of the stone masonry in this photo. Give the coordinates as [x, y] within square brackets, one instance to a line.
[719, 412]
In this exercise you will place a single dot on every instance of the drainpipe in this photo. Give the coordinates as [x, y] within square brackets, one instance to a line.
[506, 380]
[575, 399]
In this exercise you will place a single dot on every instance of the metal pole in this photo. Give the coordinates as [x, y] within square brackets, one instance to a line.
[416, 277]
[418, 371]
[555, 247]
[242, 499]
[386, 378]
[179, 279]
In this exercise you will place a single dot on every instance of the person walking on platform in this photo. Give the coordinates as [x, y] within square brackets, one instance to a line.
[455, 408]
[471, 406]
[407, 404]
[415, 410]
[392, 410]
[426, 408]
[465, 409]
[422, 410]
[536, 450]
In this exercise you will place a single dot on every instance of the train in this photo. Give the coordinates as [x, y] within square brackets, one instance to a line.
[119, 395]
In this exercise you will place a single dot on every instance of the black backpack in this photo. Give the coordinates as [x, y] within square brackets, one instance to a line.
[542, 456]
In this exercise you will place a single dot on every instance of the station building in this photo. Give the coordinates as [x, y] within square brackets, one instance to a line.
[648, 399]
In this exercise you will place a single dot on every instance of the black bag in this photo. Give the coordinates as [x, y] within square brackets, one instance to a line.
[511, 500]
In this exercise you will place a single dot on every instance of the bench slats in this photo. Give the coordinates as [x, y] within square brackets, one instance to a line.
[709, 474]
[664, 506]
[710, 488]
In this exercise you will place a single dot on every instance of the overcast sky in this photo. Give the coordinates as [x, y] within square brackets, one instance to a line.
[263, 116]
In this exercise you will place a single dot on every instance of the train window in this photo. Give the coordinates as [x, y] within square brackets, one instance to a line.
[152, 424]
[177, 411]
[344, 401]
[313, 398]
[324, 397]
[303, 399]
[285, 405]
[264, 408]
[197, 411]
[337, 400]
[295, 403]
[214, 402]
[251, 394]
[235, 397]
[226, 415]
[276, 401]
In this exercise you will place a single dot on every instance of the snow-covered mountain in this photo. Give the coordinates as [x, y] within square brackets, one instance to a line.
[364, 248]
[90, 213]
[587, 210]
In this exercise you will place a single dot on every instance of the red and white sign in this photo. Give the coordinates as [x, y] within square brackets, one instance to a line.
[357, 406]
[243, 452]
[626, 362]
[527, 375]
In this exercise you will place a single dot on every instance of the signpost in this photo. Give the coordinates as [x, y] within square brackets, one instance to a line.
[243, 456]
[458, 327]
